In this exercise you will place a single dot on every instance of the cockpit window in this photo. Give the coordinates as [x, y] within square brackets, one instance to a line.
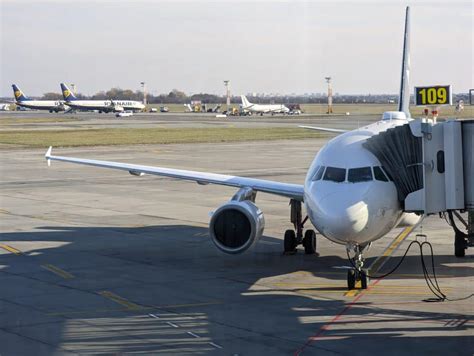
[319, 173]
[335, 174]
[379, 175]
[363, 174]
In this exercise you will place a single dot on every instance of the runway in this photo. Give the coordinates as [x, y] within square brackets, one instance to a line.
[86, 120]
[97, 261]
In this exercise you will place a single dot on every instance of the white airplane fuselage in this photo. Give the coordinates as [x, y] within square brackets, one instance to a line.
[269, 108]
[352, 213]
[106, 105]
[51, 105]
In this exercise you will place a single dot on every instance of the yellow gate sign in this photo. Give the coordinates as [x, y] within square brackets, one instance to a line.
[433, 95]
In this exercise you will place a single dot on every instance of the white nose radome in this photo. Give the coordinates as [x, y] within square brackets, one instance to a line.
[341, 215]
[351, 213]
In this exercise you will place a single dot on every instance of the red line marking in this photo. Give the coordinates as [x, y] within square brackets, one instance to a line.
[327, 326]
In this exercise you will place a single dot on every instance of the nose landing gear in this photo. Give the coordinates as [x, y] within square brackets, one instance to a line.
[356, 274]
[293, 238]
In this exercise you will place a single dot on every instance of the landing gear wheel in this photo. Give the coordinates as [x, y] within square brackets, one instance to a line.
[351, 279]
[290, 241]
[363, 280]
[459, 246]
[309, 242]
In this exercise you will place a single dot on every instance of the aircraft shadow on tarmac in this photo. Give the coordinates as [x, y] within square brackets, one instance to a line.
[175, 271]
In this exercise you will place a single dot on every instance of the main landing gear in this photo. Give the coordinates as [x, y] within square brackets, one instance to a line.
[293, 238]
[356, 274]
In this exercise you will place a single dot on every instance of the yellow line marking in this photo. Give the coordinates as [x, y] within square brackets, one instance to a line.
[58, 271]
[11, 249]
[380, 261]
[3, 211]
[118, 299]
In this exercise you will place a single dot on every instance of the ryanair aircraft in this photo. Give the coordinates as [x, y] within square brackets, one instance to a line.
[100, 105]
[26, 102]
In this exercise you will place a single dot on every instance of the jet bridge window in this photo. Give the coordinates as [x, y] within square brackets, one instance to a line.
[319, 173]
[379, 175]
[356, 175]
[334, 174]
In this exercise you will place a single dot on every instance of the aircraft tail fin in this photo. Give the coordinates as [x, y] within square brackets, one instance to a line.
[19, 96]
[245, 102]
[67, 94]
[404, 96]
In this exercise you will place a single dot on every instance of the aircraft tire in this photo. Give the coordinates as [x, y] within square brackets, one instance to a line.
[363, 280]
[289, 242]
[459, 246]
[351, 279]
[309, 242]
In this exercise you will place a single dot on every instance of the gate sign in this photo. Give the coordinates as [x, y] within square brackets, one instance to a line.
[433, 95]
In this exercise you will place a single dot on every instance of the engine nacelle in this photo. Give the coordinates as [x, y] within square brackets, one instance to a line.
[236, 226]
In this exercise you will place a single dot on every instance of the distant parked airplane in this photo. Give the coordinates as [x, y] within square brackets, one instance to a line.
[263, 108]
[23, 101]
[100, 105]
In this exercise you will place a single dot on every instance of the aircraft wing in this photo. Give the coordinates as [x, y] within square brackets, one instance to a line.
[323, 129]
[293, 191]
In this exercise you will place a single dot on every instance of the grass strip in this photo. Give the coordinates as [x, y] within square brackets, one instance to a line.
[134, 136]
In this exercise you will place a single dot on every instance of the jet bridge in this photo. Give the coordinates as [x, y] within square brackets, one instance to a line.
[432, 166]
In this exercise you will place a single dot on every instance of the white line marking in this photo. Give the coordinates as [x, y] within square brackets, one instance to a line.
[154, 316]
[215, 345]
[193, 334]
[171, 324]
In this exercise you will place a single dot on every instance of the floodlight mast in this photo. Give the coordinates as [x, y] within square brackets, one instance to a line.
[143, 84]
[227, 86]
[328, 80]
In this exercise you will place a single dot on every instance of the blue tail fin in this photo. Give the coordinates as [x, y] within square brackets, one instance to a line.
[67, 94]
[19, 96]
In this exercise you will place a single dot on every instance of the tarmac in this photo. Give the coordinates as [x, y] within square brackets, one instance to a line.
[94, 261]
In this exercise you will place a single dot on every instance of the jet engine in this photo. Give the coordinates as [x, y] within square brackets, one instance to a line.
[236, 226]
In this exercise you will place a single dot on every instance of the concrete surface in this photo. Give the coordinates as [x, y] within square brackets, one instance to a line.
[98, 261]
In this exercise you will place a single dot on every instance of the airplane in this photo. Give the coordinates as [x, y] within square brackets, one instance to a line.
[349, 197]
[263, 108]
[23, 101]
[99, 105]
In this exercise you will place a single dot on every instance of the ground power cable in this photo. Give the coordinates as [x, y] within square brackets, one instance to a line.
[430, 278]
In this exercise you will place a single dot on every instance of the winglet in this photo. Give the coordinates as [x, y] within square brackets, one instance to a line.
[48, 155]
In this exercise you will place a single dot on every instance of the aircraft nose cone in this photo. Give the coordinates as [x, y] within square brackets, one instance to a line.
[346, 216]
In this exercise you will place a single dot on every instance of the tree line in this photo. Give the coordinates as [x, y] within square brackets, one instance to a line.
[179, 97]
[173, 97]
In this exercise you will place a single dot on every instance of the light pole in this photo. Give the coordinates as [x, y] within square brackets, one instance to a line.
[143, 84]
[226, 83]
[328, 80]
[73, 87]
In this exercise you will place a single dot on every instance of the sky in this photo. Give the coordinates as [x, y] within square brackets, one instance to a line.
[260, 46]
